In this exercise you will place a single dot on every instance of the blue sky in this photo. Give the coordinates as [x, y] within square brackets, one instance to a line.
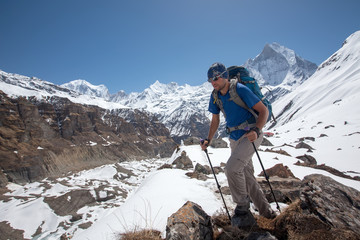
[128, 45]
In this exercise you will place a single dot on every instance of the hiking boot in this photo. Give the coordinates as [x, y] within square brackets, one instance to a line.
[243, 217]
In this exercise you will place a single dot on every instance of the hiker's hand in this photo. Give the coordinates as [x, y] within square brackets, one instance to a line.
[251, 135]
[204, 143]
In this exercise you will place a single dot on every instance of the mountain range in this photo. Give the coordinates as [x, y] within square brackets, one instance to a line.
[183, 109]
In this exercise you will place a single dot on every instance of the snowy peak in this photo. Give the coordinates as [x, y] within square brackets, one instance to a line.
[289, 54]
[86, 88]
[278, 65]
[333, 88]
[349, 52]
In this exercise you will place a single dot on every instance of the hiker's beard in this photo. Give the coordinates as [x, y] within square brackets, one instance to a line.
[221, 86]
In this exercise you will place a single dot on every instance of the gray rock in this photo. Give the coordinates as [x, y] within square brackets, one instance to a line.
[218, 143]
[189, 222]
[308, 160]
[333, 203]
[183, 161]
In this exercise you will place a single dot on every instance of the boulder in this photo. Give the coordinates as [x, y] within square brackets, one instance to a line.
[202, 169]
[192, 141]
[197, 175]
[304, 145]
[218, 143]
[324, 209]
[308, 160]
[332, 202]
[266, 142]
[183, 161]
[188, 223]
[278, 170]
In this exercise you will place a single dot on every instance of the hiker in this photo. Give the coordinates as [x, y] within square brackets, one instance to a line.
[239, 168]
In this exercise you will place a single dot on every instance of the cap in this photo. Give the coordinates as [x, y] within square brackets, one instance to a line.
[217, 70]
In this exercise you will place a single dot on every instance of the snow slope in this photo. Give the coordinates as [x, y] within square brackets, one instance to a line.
[165, 191]
[327, 103]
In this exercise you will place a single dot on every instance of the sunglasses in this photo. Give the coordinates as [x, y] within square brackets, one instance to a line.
[213, 79]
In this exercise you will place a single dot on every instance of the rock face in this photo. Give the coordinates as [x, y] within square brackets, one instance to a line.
[323, 209]
[189, 222]
[46, 138]
[333, 203]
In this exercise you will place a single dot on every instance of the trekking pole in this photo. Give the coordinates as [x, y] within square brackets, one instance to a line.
[267, 177]
[218, 185]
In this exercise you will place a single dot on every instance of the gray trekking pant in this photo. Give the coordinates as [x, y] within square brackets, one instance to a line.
[239, 171]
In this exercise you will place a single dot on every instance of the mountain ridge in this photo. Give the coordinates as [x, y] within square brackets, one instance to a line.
[183, 109]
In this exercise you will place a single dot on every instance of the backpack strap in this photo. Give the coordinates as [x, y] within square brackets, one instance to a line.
[218, 101]
[234, 96]
[243, 126]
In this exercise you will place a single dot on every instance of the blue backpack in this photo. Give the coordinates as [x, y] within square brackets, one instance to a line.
[241, 74]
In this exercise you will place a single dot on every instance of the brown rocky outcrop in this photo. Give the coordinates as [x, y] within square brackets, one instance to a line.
[325, 209]
[46, 138]
[189, 222]
[278, 170]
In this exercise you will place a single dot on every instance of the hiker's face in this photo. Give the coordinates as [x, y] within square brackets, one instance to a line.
[219, 83]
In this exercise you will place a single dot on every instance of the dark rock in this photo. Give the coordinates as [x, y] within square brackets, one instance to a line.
[324, 209]
[307, 138]
[189, 222]
[8, 232]
[224, 190]
[334, 204]
[165, 166]
[202, 169]
[278, 170]
[218, 143]
[304, 145]
[183, 161]
[286, 190]
[280, 151]
[266, 142]
[197, 175]
[218, 170]
[71, 202]
[308, 160]
[192, 141]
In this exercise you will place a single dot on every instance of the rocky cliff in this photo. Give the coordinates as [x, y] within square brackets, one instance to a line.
[324, 209]
[52, 136]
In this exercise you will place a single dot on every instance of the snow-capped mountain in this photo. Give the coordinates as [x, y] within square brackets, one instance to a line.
[87, 88]
[18, 85]
[278, 65]
[183, 109]
[334, 88]
[279, 69]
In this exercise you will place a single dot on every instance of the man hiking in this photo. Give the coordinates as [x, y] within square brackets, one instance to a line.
[244, 130]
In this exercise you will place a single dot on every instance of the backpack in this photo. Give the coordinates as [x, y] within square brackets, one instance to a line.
[241, 74]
